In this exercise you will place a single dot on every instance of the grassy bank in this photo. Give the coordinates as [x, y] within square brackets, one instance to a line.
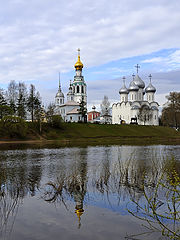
[91, 133]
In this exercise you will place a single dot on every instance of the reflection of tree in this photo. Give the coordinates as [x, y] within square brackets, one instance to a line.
[9, 201]
[161, 207]
[126, 177]
[17, 179]
[153, 186]
[71, 181]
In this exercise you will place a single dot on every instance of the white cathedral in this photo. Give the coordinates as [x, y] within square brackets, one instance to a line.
[69, 110]
[137, 103]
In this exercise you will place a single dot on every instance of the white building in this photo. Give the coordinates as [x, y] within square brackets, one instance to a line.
[77, 90]
[137, 103]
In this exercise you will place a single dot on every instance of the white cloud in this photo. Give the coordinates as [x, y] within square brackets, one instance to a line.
[153, 60]
[44, 37]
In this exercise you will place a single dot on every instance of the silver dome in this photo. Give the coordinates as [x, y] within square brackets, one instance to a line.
[150, 88]
[133, 87]
[139, 82]
[59, 94]
[123, 89]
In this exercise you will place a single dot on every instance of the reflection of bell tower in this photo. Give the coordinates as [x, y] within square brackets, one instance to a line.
[79, 85]
[80, 182]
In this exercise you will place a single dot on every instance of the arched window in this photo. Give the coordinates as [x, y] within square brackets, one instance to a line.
[60, 101]
[57, 101]
[82, 89]
[77, 89]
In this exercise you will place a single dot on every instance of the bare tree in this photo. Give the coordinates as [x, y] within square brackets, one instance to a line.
[12, 95]
[145, 114]
[105, 106]
[171, 110]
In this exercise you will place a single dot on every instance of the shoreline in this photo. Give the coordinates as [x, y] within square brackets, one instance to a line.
[103, 140]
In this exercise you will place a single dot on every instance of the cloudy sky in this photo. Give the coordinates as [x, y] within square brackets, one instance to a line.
[39, 38]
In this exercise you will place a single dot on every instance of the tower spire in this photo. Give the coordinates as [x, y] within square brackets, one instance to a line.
[59, 82]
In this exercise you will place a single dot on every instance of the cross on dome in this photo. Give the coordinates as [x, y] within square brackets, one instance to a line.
[150, 77]
[124, 79]
[137, 66]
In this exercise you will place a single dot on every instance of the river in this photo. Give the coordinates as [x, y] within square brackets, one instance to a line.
[99, 192]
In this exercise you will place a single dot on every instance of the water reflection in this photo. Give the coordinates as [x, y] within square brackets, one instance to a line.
[139, 179]
[70, 182]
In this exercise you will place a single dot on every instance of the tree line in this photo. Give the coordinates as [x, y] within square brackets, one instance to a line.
[18, 101]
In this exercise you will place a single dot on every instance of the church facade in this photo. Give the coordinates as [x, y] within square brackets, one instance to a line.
[69, 110]
[137, 104]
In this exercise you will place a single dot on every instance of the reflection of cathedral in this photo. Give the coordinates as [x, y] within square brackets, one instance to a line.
[77, 90]
[133, 107]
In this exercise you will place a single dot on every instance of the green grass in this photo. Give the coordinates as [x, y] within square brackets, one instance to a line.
[79, 132]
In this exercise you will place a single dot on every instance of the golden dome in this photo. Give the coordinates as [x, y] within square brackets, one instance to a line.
[78, 65]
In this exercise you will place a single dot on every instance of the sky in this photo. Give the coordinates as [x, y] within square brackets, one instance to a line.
[39, 39]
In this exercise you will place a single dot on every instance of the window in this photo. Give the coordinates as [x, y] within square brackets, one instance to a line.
[57, 101]
[71, 118]
[132, 96]
[135, 96]
[82, 89]
[139, 96]
[149, 97]
[60, 101]
[155, 117]
[79, 118]
[77, 89]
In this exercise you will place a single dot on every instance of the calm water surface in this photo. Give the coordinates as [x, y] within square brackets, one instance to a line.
[83, 193]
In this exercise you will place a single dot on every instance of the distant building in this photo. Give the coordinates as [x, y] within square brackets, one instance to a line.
[137, 104]
[69, 110]
[93, 115]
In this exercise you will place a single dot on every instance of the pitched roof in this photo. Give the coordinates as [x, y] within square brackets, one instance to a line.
[71, 103]
[73, 111]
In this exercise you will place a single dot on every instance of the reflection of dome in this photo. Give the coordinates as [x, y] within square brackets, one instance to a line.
[78, 65]
[150, 88]
[133, 87]
[79, 212]
[139, 82]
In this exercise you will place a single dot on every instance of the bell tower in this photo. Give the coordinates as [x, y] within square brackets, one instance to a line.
[79, 85]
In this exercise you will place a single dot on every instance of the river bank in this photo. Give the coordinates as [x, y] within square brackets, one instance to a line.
[78, 134]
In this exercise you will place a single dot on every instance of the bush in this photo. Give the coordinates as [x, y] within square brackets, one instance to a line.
[56, 121]
[13, 127]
